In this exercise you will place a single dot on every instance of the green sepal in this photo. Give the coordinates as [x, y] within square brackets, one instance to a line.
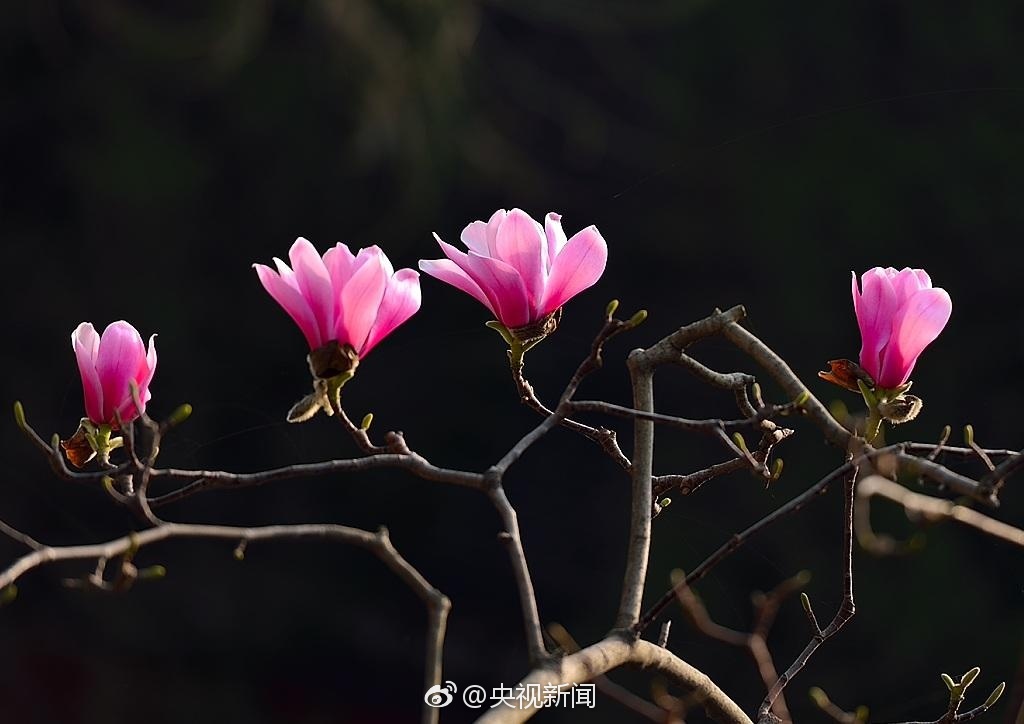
[502, 330]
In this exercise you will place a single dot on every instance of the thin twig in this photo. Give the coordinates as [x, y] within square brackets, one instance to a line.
[740, 539]
[755, 642]
[378, 543]
[524, 583]
[846, 610]
[934, 509]
[16, 535]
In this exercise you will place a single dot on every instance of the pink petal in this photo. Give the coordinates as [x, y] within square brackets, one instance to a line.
[555, 235]
[401, 301]
[905, 283]
[503, 286]
[521, 244]
[451, 273]
[86, 344]
[143, 377]
[474, 236]
[481, 236]
[578, 266]
[292, 301]
[493, 224]
[361, 297]
[314, 284]
[120, 355]
[917, 324]
[149, 369]
[874, 307]
[340, 262]
[483, 281]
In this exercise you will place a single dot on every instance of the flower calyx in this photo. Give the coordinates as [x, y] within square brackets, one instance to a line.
[332, 365]
[89, 441]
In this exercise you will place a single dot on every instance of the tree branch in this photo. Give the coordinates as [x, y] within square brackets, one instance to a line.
[378, 543]
[846, 610]
[934, 509]
[610, 653]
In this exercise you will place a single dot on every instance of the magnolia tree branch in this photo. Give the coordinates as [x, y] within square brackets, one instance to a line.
[129, 484]
[605, 438]
[614, 651]
[378, 543]
[639, 545]
[738, 540]
[927, 508]
[755, 642]
[957, 692]
[845, 612]
[605, 685]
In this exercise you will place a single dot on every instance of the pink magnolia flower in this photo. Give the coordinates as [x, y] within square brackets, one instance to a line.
[899, 314]
[108, 363]
[519, 270]
[355, 300]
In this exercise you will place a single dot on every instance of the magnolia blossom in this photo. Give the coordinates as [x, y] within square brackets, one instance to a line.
[355, 300]
[519, 270]
[108, 365]
[899, 314]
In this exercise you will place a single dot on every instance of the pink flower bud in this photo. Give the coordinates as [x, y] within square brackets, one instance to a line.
[355, 300]
[108, 364]
[899, 314]
[520, 271]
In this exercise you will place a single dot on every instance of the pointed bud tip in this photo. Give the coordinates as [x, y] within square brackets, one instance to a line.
[153, 573]
[367, 421]
[819, 697]
[968, 434]
[180, 414]
[968, 678]
[19, 414]
[948, 681]
[610, 309]
[805, 602]
[637, 318]
[8, 594]
[994, 696]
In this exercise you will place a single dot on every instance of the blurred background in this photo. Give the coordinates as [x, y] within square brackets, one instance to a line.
[730, 152]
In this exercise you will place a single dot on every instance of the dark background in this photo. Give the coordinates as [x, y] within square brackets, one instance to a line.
[730, 153]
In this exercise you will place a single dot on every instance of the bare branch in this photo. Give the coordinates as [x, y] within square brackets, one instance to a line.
[610, 653]
[378, 543]
[606, 686]
[756, 641]
[846, 610]
[934, 509]
[639, 545]
[217, 479]
[740, 539]
[527, 599]
[16, 535]
[604, 437]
